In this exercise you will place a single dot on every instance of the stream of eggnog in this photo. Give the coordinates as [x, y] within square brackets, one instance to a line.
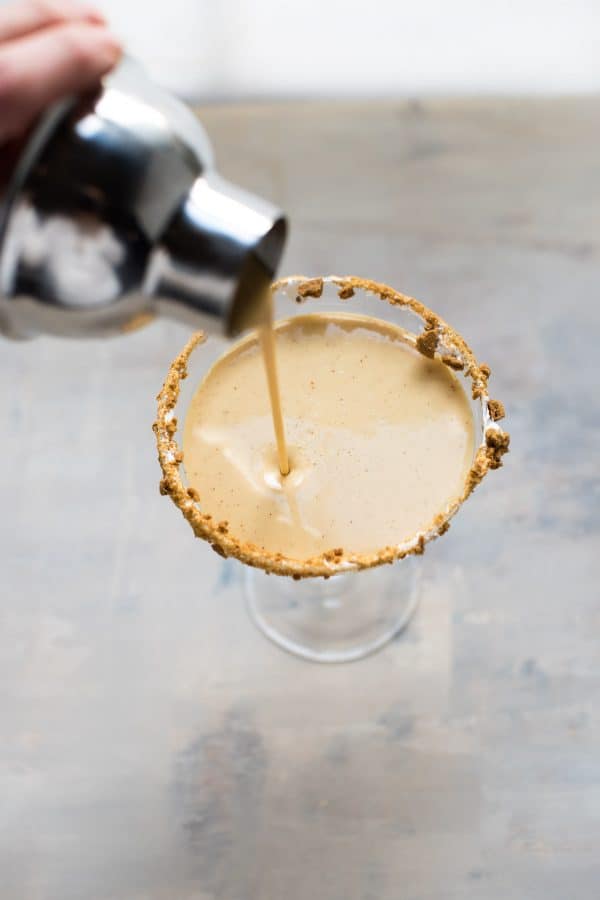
[267, 339]
[380, 438]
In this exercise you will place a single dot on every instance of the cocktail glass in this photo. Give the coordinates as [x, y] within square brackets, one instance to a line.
[331, 608]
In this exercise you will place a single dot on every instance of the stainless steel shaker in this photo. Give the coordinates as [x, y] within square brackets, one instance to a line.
[115, 214]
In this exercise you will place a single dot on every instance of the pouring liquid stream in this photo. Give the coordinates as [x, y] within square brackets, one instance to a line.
[267, 341]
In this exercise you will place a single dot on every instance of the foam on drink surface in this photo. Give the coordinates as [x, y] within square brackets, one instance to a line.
[380, 438]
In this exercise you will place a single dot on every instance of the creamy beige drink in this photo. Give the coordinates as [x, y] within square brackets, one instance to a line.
[380, 439]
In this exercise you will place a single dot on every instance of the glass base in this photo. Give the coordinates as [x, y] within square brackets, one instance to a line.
[339, 619]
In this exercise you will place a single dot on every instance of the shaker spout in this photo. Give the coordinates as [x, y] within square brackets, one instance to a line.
[217, 257]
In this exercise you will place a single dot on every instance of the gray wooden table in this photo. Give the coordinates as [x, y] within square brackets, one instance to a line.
[152, 743]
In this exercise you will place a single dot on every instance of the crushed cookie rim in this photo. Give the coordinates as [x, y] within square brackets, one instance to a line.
[436, 340]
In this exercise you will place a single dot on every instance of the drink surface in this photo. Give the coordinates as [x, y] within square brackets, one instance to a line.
[380, 438]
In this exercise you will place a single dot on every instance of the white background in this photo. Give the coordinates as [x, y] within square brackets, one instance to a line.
[255, 48]
[233, 49]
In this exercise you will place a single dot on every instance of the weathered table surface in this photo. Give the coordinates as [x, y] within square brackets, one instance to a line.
[152, 743]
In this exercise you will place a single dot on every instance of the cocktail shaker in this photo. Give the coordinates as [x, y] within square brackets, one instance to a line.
[115, 214]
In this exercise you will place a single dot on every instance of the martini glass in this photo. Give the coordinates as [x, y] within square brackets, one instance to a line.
[343, 609]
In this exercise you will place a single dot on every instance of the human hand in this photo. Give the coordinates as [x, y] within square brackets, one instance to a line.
[48, 49]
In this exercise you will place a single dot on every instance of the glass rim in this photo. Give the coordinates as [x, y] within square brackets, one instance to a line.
[436, 340]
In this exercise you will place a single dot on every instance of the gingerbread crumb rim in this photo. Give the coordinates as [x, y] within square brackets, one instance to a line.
[436, 340]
